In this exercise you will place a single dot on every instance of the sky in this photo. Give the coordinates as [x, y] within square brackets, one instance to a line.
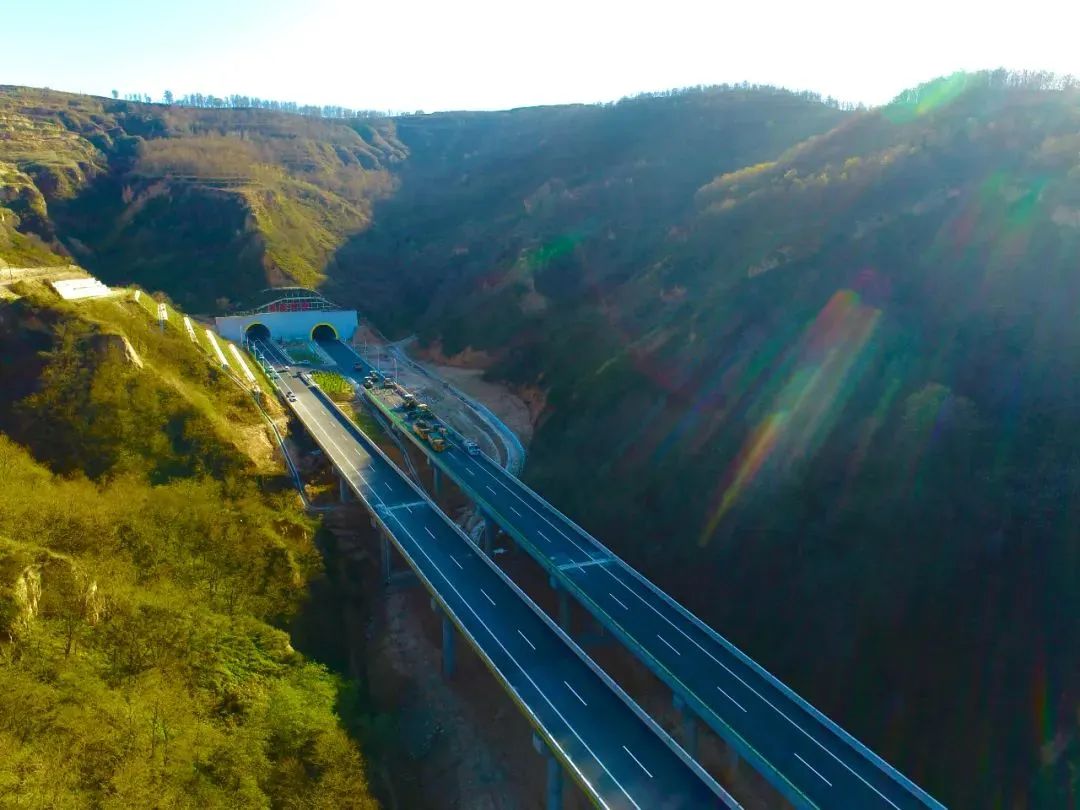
[409, 55]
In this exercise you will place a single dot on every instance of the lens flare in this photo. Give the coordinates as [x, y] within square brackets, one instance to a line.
[819, 379]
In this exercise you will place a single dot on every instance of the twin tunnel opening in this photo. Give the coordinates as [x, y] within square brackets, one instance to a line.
[320, 332]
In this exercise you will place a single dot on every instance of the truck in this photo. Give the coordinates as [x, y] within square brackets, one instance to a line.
[434, 435]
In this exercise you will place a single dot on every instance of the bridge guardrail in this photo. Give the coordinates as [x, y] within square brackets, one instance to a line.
[592, 665]
[567, 582]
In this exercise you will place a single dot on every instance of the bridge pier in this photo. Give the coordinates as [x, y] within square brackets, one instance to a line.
[435, 481]
[345, 494]
[689, 724]
[564, 604]
[448, 643]
[384, 557]
[554, 789]
[447, 647]
[488, 534]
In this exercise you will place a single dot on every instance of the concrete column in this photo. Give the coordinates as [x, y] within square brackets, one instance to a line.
[384, 556]
[435, 480]
[488, 536]
[731, 760]
[447, 647]
[554, 774]
[564, 604]
[689, 725]
[345, 493]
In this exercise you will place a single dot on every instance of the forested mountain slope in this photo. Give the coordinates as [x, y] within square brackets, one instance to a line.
[149, 566]
[811, 369]
[828, 396]
[208, 204]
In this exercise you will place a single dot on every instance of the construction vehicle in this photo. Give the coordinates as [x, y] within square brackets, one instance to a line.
[434, 435]
[408, 402]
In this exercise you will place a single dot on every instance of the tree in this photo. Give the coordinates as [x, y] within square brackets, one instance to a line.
[168, 96]
[115, 94]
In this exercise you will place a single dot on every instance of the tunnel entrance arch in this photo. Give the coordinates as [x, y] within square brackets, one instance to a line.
[257, 331]
[323, 331]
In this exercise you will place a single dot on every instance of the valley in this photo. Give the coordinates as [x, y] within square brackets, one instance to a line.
[808, 368]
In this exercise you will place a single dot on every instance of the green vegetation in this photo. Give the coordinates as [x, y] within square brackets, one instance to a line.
[825, 364]
[210, 205]
[301, 352]
[815, 352]
[149, 563]
[339, 387]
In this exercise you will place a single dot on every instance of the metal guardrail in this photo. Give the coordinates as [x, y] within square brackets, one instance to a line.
[370, 445]
[653, 663]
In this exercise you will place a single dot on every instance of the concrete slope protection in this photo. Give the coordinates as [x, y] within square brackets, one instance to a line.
[613, 750]
[806, 756]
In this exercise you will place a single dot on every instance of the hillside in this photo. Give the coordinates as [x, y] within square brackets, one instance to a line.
[811, 369]
[830, 383]
[150, 562]
[208, 204]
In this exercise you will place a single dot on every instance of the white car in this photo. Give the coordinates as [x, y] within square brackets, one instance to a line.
[472, 448]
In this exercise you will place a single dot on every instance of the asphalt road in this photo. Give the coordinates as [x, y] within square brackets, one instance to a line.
[806, 756]
[618, 756]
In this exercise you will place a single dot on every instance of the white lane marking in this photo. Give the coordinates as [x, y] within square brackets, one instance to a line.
[764, 699]
[638, 761]
[652, 607]
[485, 593]
[408, 508]
[579, 697]
[815, 770]
[516, 512]
[527, 640]
[426, 529]
[729, 697]
[618, 601]
[490, 489]
[459, 565]
[668, 643]
[548, 539]
[387, 485]
[495, 638]
[469, 471]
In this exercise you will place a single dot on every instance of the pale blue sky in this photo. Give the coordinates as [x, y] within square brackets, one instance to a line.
[406, 55]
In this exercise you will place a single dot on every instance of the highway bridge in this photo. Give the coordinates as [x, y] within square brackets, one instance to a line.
[805, 755]
[589, 726]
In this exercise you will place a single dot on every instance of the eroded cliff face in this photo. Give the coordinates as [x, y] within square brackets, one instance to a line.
[208, 205]
[36, 582]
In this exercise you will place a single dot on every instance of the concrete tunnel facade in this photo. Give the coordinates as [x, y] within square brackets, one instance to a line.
[311, 325]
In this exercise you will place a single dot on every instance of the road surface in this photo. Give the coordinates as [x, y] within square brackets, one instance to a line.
[804, 754]
[613, 750]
